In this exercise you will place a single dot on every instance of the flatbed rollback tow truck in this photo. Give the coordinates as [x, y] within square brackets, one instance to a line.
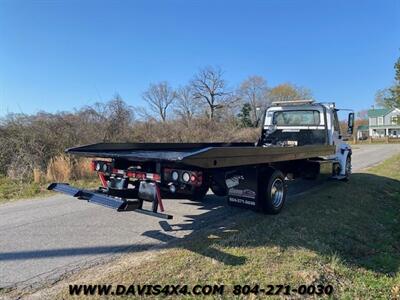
[299, 139]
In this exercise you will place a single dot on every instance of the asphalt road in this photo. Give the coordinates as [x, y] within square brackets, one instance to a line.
[43, 239]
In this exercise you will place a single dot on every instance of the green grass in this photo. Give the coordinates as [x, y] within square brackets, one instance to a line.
[346, 235]
[389, 168]
[11, 190]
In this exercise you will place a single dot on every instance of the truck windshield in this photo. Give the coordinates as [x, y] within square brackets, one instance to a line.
[296, 118]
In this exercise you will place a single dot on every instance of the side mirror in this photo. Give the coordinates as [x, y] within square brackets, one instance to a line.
[350, 123]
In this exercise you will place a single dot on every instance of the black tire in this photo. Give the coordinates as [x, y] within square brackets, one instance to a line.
[274, 193]
[218, 190]
[199, 194]
[312, 171]
[311, 176]
[348, 168]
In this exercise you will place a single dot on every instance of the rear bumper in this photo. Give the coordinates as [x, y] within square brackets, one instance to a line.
[103, 199]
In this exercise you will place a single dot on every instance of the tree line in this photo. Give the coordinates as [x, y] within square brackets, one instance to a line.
[207, 94]
[206, 109]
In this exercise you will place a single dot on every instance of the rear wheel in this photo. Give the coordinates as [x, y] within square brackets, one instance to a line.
[199, 193]
[274, 193]
[218, 190]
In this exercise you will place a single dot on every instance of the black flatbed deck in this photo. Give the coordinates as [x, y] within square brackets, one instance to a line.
[203, 155]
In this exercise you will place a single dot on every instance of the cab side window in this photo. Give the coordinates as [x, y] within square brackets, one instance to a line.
[336, 124]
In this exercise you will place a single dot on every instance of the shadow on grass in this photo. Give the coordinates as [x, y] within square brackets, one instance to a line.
[358, 221]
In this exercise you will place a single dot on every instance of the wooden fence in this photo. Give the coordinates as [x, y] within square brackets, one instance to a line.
[372, 140]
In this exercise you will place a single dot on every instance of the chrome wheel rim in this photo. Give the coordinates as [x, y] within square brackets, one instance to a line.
[277, 190]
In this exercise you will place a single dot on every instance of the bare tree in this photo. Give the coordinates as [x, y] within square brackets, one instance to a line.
[254, 91]
[186, 105]
[119, 118]
[288, 92]
[382, 98]
[159, 97]
[110, 121]
[144, 114]
[362, 114]
[209, 86]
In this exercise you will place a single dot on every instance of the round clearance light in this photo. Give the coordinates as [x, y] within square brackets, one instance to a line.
[175, 175]
[172, 188]
[186, 177]
[98, 166]
[105, 167]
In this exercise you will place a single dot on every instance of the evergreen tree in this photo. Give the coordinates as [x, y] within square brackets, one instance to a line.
[244, 116]
[390, 97]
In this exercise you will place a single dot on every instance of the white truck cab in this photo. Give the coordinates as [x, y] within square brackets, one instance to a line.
[304, 122]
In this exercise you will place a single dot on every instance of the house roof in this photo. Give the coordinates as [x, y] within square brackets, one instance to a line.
[362, 127]
[378, 112]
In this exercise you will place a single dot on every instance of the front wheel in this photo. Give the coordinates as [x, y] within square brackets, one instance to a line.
[347, 168]
[274, 193]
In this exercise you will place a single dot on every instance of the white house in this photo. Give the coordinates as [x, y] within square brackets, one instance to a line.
[384, 122]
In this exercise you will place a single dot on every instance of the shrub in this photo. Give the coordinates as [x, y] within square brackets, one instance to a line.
[59, 169]
[31, 146]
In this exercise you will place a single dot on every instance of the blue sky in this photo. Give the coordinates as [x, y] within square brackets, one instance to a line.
[59, 55]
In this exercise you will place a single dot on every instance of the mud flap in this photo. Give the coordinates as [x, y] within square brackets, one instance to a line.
[243, 188]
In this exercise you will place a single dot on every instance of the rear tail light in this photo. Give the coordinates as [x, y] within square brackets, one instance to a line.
[104, 167]
[172, 188]
[100, 166]
[174, 175]
[183, 176]
[196, 178]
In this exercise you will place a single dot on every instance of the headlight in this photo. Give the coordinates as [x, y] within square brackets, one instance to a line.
[105, 168]
[186, 177]
[98, 166]
[174, 175]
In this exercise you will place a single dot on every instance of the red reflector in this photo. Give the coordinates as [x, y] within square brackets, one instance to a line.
[137, 175]
[93, 165]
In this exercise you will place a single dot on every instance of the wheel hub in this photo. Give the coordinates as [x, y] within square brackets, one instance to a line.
[277, 191]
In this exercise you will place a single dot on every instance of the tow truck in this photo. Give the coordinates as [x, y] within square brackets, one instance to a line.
[298, 139]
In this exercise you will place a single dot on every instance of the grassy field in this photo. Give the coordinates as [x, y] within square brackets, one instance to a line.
[345, 234]
[14, 190]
